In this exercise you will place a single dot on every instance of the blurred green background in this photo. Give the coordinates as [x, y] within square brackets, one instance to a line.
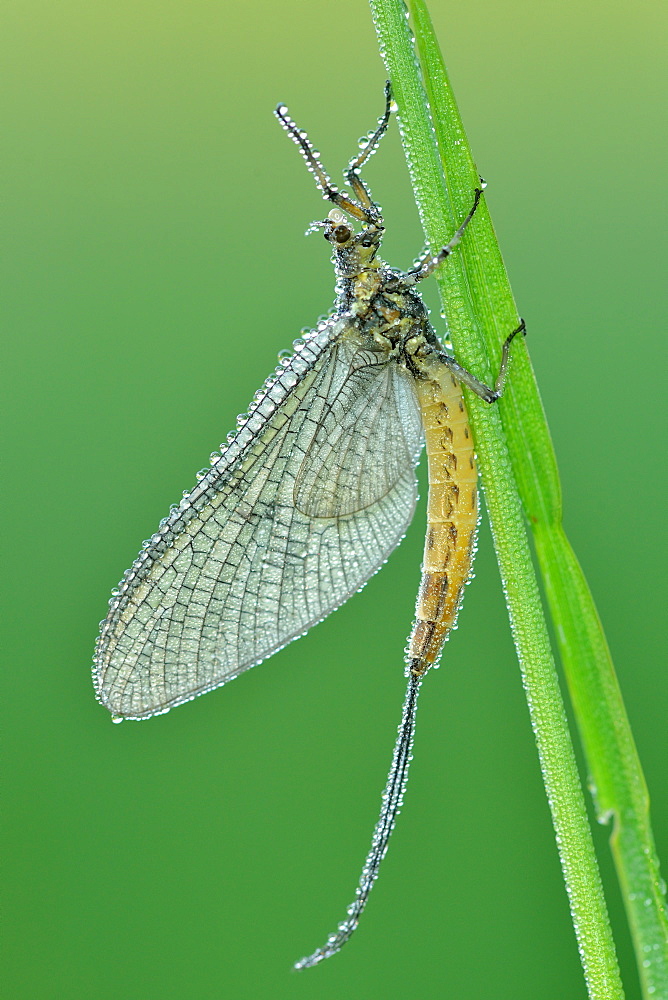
[155, 265]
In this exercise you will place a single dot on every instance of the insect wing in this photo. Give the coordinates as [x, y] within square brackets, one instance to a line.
[304, 505]
[364, 442]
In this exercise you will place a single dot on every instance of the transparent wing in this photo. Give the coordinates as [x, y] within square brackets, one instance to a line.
[362, 444]
[301, 509]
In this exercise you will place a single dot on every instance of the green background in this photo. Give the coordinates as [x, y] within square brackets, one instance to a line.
[155, 265]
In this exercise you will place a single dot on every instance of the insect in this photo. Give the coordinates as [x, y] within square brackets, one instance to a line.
[310, 495]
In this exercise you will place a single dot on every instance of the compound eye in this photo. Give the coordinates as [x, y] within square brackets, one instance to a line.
[371, 238]
[341, 234]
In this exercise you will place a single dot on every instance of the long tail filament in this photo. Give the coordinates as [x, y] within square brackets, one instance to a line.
[391, 805]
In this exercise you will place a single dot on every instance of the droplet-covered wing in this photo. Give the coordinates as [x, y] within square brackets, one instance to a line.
[362, 443]
[279, 532]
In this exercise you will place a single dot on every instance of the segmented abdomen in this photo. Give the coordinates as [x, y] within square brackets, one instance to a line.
[452, 518]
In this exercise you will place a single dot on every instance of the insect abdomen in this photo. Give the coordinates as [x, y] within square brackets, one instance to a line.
[452, 518]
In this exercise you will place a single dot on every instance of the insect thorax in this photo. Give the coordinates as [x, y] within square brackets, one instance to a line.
[386, 314]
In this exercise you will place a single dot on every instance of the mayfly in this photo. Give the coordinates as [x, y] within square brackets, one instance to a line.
[311, 494]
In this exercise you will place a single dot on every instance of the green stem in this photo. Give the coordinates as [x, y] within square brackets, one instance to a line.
[480, 312]
[617, 779]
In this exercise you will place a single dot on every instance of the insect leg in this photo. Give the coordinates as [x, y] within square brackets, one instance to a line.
[486, 392]
[352, 173]
[322, 179]
[431, 262]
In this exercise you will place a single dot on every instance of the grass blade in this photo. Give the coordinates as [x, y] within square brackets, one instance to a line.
[517, 461]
